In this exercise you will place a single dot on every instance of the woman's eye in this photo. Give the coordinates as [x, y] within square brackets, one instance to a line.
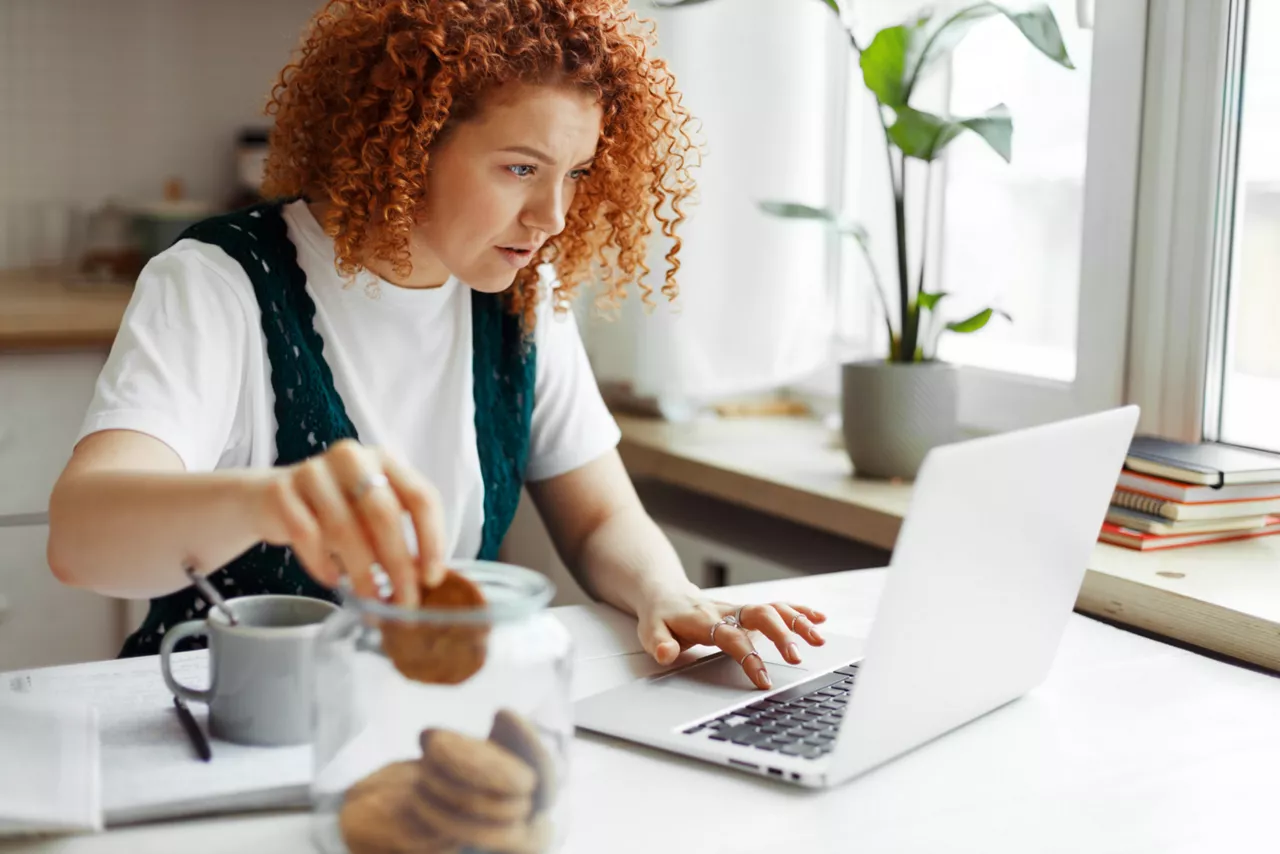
[579, 174]
[515, 170]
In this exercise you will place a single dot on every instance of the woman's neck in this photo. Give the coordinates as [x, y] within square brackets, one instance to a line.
[426, 273]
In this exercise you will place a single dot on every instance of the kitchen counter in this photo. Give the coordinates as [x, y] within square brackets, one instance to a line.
[40, 310]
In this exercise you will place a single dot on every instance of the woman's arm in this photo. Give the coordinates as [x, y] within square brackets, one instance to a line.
[605, 537]
[619, 555]
[125, 517]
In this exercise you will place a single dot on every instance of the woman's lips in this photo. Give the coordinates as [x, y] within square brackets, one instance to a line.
[515, 257]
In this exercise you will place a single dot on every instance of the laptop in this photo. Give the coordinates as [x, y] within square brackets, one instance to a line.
[982, 580]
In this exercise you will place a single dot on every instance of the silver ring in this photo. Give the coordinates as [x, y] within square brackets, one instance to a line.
[744, 658]
[381, 580]
[724, 621]
[374, 480]
[739, 617]
[793, 622]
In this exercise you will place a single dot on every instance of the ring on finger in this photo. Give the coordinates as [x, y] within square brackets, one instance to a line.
[793, 622]
[381, 580]
[730, 621]
[368, 483]
[744, 658]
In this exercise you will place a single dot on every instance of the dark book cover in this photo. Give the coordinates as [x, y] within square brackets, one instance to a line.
[1206, 462]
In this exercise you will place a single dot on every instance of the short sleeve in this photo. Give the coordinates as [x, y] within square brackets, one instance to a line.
[571, 424]
[177, 367]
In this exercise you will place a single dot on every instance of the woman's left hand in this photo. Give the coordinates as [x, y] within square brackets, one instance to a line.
[673, 621]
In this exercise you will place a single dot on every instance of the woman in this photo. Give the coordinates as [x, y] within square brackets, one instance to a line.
[292, 381]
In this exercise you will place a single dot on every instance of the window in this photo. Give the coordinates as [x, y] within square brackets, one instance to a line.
[1047, 237]
[1011, 231]
[1248, 348]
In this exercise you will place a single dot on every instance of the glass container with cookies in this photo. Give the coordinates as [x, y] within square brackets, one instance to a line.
[445, 727]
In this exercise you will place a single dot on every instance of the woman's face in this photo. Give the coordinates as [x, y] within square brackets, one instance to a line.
[501, 183]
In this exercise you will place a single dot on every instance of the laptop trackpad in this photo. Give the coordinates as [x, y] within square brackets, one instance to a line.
[724, 679]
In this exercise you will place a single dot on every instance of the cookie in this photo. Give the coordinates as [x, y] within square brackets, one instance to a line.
[473, 764]
[520, 737]
[467, 829]
[439, 653]
[377, 817]
[501, 809]
[397, 775]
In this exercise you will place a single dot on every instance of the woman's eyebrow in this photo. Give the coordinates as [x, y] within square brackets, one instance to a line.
[538, 155]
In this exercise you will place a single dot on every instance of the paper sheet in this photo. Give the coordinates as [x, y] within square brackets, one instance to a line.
[149, 767]
[50, 779]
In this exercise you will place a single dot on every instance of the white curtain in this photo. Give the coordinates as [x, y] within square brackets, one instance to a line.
[754, 311]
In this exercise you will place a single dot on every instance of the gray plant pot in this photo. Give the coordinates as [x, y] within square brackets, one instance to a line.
[894, 413]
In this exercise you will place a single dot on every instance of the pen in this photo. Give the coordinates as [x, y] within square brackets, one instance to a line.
[198, 741]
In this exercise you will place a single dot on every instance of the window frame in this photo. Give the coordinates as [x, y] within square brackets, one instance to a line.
[1187, 205]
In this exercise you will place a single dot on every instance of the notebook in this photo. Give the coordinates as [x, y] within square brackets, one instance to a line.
[50, 775]
[1203, 463]
[1205, 510]
[1118, 536]
[1187, 493]
[1149, 523]
[149, 767]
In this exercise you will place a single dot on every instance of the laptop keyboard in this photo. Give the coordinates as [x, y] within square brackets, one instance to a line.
[800, 721]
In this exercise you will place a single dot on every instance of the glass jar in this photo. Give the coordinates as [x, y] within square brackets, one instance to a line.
[444, 728]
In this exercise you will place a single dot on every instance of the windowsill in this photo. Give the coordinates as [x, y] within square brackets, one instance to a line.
[1223, 597]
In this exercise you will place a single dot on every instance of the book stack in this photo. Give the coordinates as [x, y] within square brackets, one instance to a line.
[1173, 494]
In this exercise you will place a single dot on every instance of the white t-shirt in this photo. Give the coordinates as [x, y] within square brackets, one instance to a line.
[189, 367]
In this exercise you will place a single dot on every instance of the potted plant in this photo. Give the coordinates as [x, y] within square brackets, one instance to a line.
[897, 408]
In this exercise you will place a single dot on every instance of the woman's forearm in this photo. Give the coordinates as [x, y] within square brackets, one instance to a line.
[129, 534]
[627, 560]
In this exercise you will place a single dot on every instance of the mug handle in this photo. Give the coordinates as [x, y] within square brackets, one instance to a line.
[171, 638]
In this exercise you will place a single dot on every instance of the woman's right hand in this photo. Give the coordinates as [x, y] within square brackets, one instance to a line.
[342, 511]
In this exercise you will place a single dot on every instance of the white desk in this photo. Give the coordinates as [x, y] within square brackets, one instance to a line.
[1129, 746]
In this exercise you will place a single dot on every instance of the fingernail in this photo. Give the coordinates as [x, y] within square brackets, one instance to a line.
[793, 652]
[762, 679]
[818, 636]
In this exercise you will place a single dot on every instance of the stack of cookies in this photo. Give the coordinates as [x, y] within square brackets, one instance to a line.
[464, 794]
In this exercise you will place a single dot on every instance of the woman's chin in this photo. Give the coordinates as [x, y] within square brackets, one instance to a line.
[490, 283]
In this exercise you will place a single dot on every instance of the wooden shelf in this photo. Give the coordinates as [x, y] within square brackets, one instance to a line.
[40, 311]
[1223, 597]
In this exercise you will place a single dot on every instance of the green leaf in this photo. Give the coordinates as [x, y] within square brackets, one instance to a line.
[884, 64]
[927, 301]
[977, 321]
[899, 56]
[924, 135]
[795, 210]
[835, 7]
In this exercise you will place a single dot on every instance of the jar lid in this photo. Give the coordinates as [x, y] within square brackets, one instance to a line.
[511, 593]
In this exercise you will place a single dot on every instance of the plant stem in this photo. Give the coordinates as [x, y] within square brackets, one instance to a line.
[907, 344]
[924, 255]
[879, 286]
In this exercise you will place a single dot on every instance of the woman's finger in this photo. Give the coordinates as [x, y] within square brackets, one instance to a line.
[736, 642]
[420, 498]
[340, 531]
[768, 621]
[812, 614]
[657, 640]
[378, 508]
[799, 623]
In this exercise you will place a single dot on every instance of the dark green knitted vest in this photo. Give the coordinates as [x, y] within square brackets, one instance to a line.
[310, 415]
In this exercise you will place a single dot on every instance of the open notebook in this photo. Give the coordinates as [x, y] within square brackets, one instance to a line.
[149, 769]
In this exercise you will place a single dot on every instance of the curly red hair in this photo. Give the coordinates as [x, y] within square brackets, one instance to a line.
[378, 81]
